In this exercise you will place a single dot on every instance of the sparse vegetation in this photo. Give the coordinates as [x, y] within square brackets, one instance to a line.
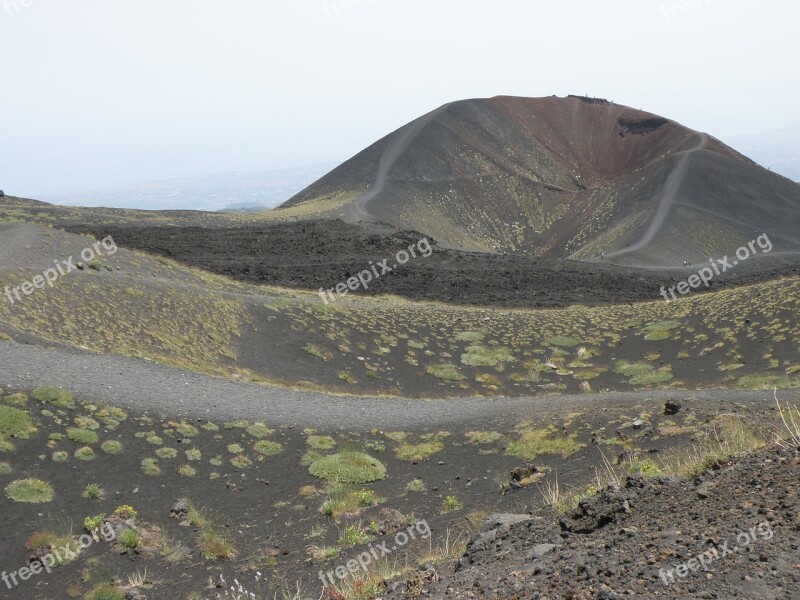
[320, 442]
[533, 442]
[15, 423]
[93, 491]
[418, 452]
[54, 396]
[111, 447]
[30, 491]
[482, 437]
[104, 592]
[85, 454]
[451, 504]
[85, 437]
[348, 468]
[267, 448]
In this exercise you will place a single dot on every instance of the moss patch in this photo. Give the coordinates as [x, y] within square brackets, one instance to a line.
[58, 397]
[30, 491]
[349, 468]
[15, 423]
[534, 442]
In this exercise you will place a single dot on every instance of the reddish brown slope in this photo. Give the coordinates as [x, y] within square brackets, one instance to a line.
[566, 177]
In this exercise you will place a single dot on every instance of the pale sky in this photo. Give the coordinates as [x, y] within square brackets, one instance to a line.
[102, 93]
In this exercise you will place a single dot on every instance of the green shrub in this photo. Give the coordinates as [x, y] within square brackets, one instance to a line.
[446, 371]
[644, 466]
[632, 369]
[58, 397]
[482, 437]
[17, 400]
[534, 442]
[150, 466]
[84, 437]
[331, 507]
[267, 448]
[85, 453]
[418, 452]
[104, 592]
[129, 539]
[87, 423]
[562, 341]
[111, 447]
[366, 498]
[15, 423]
[482, 356]
[126, 512]
[652, 378]
[451, 504]
[417, 485]
[241, 462]
[353, 535]
[166, 453]
[30, 491]
[215, 545]
[259, 430]
[186, 429]
[470, 336]
[93, 491]
[187, 471]
[348, 468]
[320, 442]
[94, 523]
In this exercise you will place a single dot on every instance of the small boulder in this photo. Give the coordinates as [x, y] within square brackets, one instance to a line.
[392, 521]
[539, 550]
[180, 510]
[504, 521]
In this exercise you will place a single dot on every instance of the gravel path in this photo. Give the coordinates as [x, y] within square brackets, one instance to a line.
[143, 386]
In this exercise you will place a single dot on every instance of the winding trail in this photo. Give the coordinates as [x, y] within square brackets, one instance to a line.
[143, 386]
[400, 142]
[668, 196]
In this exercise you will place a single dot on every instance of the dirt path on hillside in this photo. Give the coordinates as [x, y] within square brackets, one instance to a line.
[668, 196]
[144, 386]
[400, 142]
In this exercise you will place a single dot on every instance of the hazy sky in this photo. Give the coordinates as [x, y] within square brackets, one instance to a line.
[100, 93]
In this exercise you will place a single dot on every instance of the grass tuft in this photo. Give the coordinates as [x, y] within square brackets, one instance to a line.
[15, 423]
[30, 491]
[349, 468]
[58, 397]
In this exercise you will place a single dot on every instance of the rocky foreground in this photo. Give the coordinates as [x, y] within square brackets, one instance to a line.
[732, 533]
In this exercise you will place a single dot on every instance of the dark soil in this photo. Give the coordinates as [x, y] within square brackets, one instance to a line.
[321, 254]
[261, 507]
[627, 542]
